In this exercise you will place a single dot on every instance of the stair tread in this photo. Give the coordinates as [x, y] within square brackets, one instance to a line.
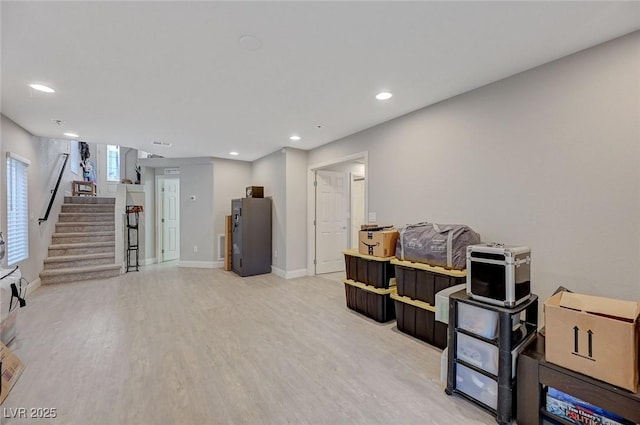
[77, 234]
[87, 205]
[84, 269]
[84, 223]
[82, 244]
[77, 257]
[65, 214]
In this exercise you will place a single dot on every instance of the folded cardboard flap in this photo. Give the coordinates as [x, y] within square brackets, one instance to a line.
[10, 369]
[607, 307]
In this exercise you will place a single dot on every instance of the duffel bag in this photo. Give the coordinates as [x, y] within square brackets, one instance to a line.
[443, 245]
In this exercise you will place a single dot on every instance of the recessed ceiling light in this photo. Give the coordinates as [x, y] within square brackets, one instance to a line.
[250, 42]
[384, 95]
[42, 88]
[294, 138]
[74, 135]
[234, 153]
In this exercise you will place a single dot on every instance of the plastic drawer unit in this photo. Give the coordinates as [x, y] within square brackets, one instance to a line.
[368, 269]
[484, 342]
[421, 281]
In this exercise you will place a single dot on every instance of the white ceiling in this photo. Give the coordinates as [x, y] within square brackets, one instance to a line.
[129, 73]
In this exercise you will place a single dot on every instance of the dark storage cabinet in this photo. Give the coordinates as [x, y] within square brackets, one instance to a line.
[367, 269]
[421, 281]
[484, 342]
[535, 374]
[251, 236]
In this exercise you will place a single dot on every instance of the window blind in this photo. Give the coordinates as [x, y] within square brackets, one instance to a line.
[113, 163]
[17, 209]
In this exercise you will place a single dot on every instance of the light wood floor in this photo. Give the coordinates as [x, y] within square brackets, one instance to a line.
[169, 345]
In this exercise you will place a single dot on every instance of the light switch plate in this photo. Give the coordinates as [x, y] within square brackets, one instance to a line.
[373, 217]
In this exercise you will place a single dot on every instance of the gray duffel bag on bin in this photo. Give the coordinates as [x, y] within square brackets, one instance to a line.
[443, 245]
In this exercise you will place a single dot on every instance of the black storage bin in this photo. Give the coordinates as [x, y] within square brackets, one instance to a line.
[418, 320]
[372, 302]
[421, 281]
[367, 269]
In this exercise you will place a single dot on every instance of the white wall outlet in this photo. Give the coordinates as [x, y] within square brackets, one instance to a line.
[195, 248]
[373, 217]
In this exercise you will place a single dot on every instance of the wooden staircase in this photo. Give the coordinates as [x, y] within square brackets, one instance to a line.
[83, 246]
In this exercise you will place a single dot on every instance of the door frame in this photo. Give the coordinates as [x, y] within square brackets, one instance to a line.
[158, 208]
[311, 201]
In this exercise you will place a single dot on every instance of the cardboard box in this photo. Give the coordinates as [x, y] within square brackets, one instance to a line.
[595, 336]
[10, 369]
[379, 243]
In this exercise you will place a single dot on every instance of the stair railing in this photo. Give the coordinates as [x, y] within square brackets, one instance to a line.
[54, 191]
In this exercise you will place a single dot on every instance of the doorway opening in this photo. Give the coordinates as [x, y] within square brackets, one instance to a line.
[167, 218]
[338, 206]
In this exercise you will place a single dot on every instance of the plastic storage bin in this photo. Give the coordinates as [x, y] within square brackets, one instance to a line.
[476, 385]
[421, 281]
[374, 271]
[417, 319]
[372, 302]
[442, 302]
[480, 321]
[482, 354]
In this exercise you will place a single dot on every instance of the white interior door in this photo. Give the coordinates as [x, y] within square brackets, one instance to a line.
[170, 219]
[332, 213]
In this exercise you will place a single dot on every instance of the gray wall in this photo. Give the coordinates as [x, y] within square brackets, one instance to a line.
[548, 158]
[296, 210]
[270, 172]
[230, 179]
[46, 161]
[196, 218]
[220, 180]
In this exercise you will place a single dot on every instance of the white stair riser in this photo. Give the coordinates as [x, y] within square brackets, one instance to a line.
[74, 277]
[79, 263]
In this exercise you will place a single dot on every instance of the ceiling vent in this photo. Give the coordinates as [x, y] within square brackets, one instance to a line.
[164, 144]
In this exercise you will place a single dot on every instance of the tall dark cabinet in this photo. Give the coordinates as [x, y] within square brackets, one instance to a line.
[251, 236]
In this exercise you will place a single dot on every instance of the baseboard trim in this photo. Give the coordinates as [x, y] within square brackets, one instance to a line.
[197, 264]
[296, 273]
[218, 264]
[32, 286]
[278, 272]
[288, 274]
[148, 261]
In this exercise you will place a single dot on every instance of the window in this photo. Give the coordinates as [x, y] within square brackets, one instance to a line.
[17, 209]
[113, 163]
